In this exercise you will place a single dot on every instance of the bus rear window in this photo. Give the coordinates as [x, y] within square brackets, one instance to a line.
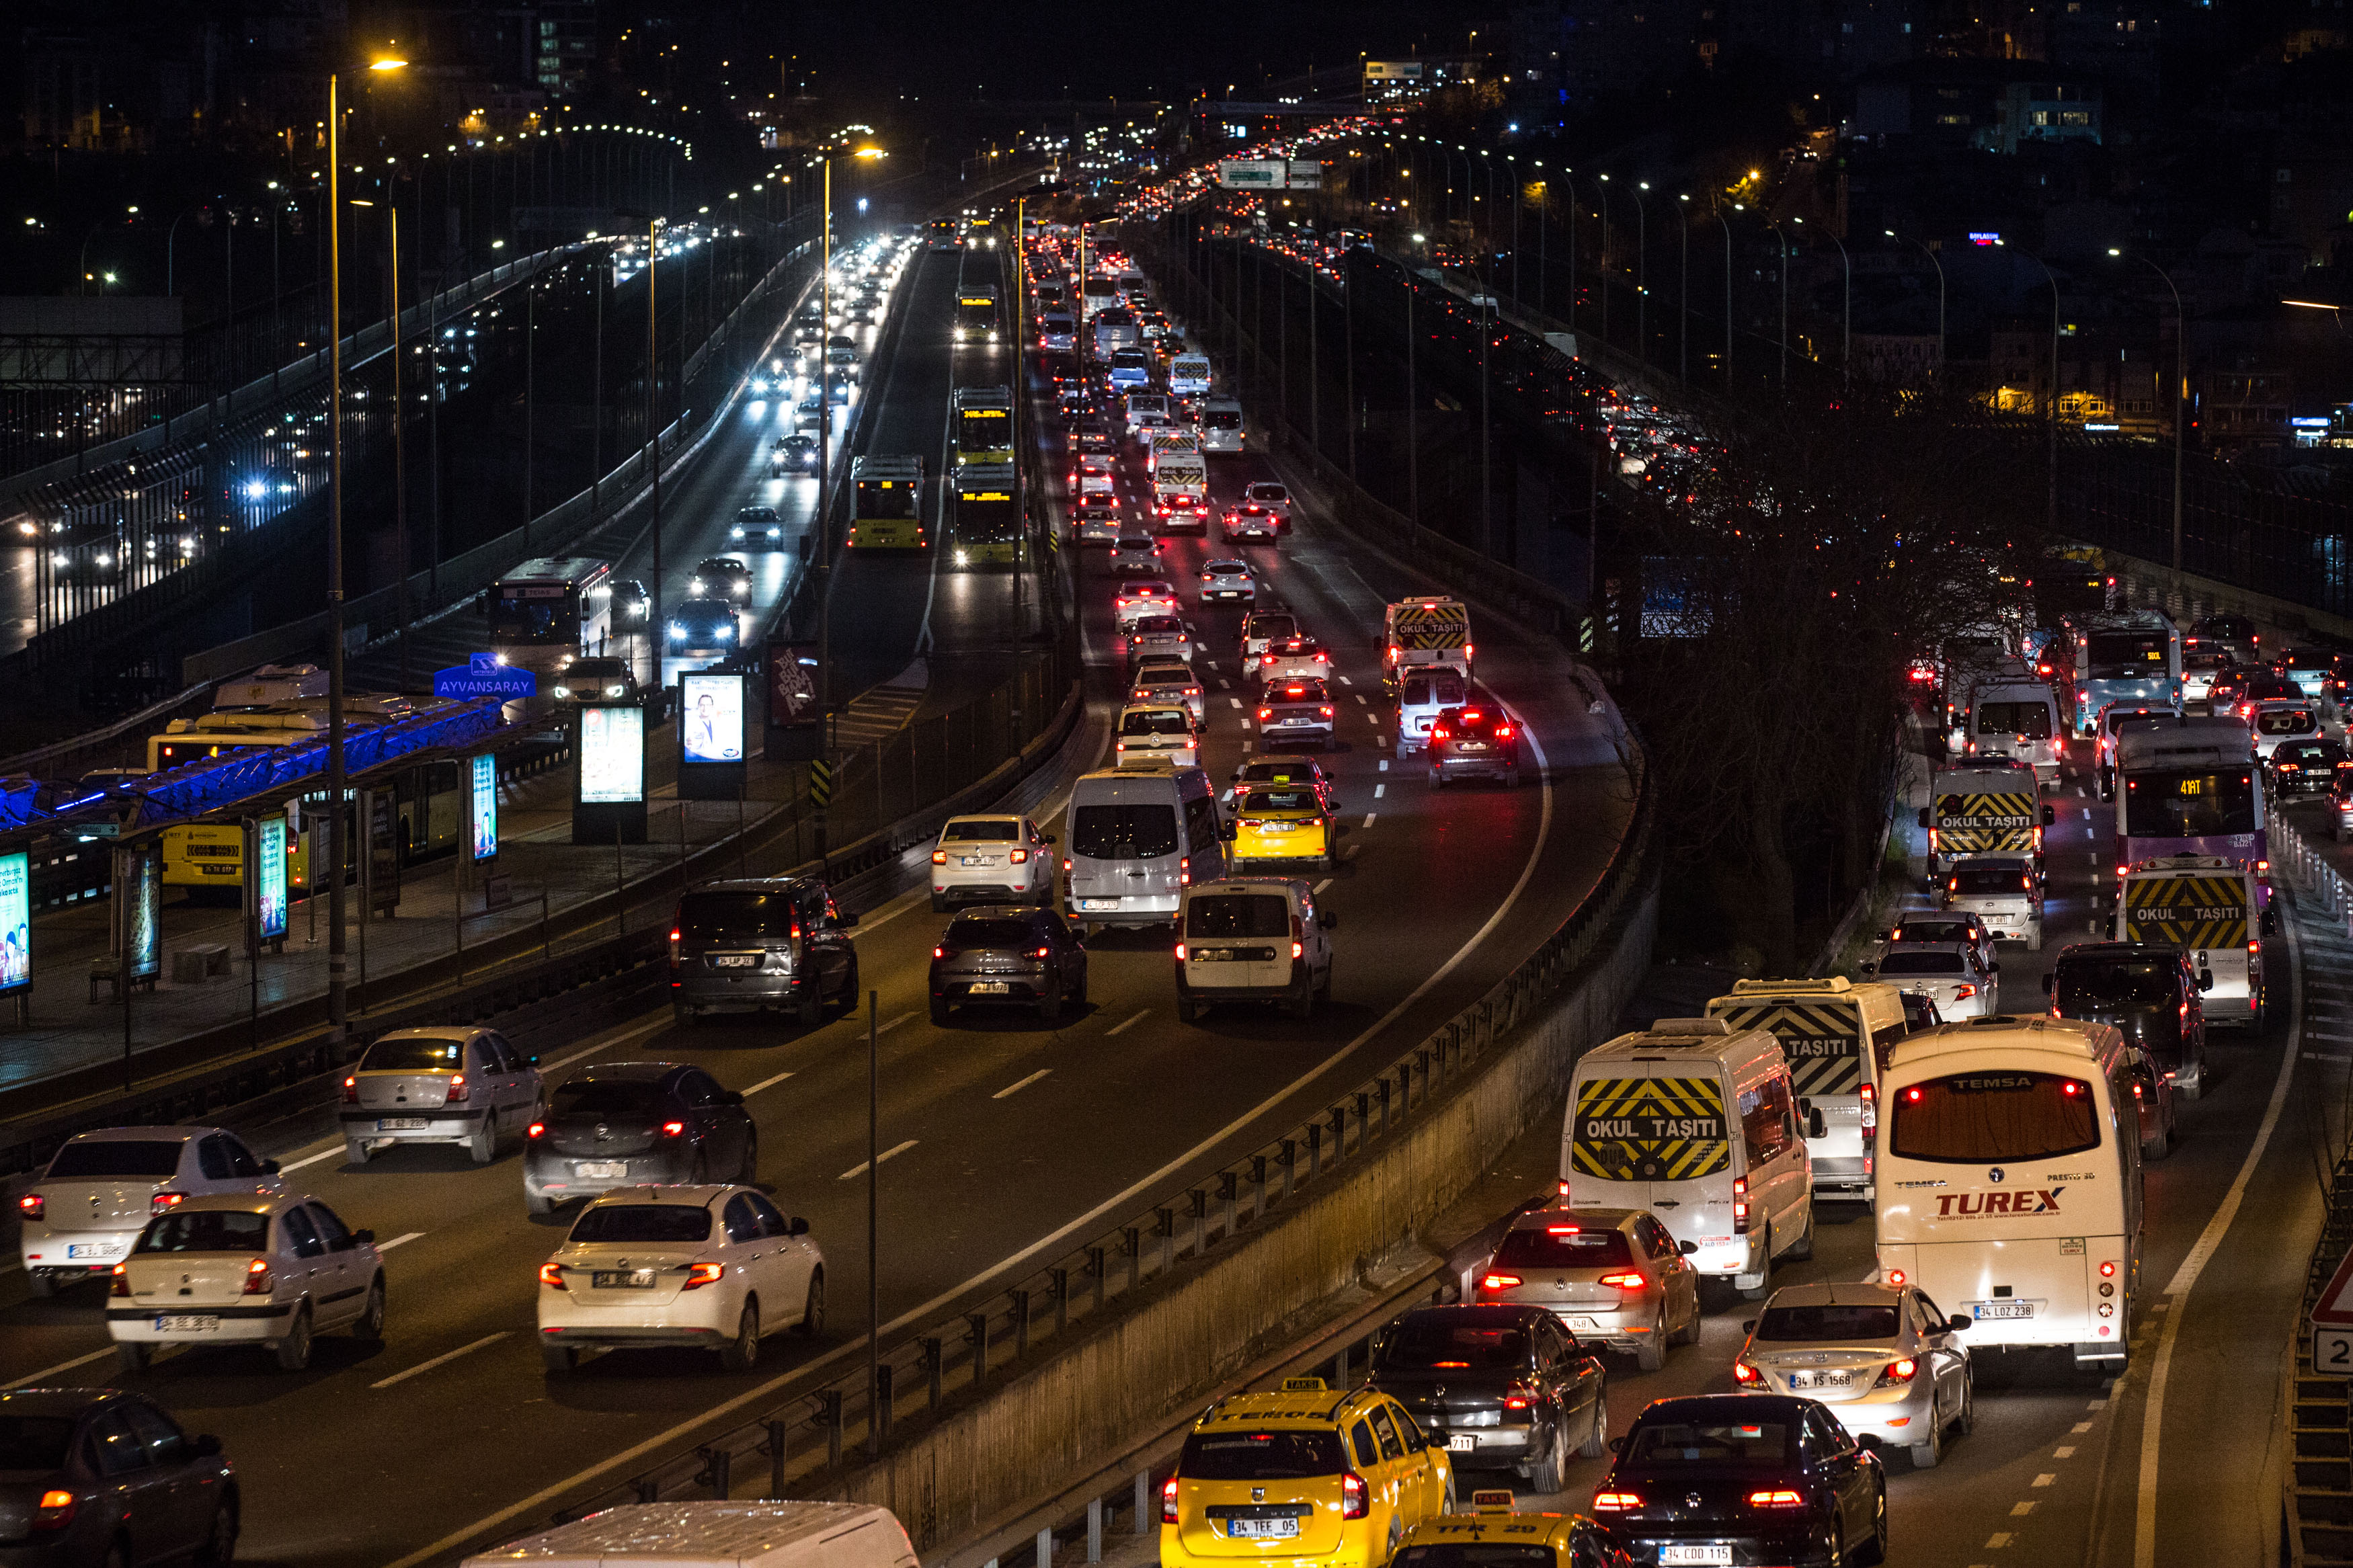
[1993, 1117]
[2189, 805]
[2122, 655]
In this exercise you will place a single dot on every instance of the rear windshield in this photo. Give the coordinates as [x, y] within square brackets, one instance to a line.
[1276, 772]
[1986, 881]
[1474, 1555]
[1827, 1322]
[1123, 832]
[1990, 1118]
[206, 1231]
[980, 832]
[415, 1055]
[2031, 720]
[988, 934]
[1275, 1456]
[1280, 800]
[1273, 627]
[34, 1442]
[1443, 1344]
[1662, 1443]
[1238, 914]
[1161, 625]
[1921, 963]
[643, 1222]
[1921, 929]
[1159, 721]
[610, 1097]
[1444, 691]
[2130, 983]
[1297, 691]
[2286, 722]
[1565, 1248]
[721, 917]
[148, 1158]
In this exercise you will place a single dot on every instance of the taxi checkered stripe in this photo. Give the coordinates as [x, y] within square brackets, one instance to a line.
[1682, 1158]
[2189, 912]
[1792, 1023]
[1959, 832]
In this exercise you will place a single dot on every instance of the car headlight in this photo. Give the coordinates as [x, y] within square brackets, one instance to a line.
[694, 585]
[563, 691]
[725, 630]
[615, 690]
[677, 631]
[736, 531]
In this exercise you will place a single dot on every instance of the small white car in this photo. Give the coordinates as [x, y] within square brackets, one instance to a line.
[1154, 731]
[1165, 679]
[1261, 627]
[1937, 925]
[991, 859]
[1293, 659]
[1096, 522]
[1275, 498]
[79, 1218]
[1158, 637]
[2281, 718]
[1141, 596]
[1883, 1359]
[1092, 476]
[1999, 889]
[1228, 583]
[1134, 550]
[275, 1271]
[712, 1266]
[1422, 695]
[1252, 939]
[452, 1085]
[1949, 974]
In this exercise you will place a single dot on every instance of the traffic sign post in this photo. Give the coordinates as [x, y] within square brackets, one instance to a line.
[2332, 1324]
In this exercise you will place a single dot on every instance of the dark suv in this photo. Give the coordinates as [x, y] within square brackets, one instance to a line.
[1503, 1385]
[2151, 994]
[762, 942]
[623, 1124]
[1005, 956]
[1473, 744]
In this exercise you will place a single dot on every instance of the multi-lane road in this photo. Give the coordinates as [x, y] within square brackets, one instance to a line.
[1014, 1141]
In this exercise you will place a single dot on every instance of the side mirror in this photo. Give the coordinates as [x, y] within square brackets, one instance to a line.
[1749, 1325]
[1924, 816]
[205, 1446]
[532, 1061]
[1956, 1323]
[2049, 817]
[2046, 986]
[2271, 923]
[269, 1167]
[1688, 1249]
[1868, 1443]
[1868, 967]
[1993, 969]
[732, 1096]
[2205, 979]
[797, 1226]
[1047, 838]
[1816, 1126]
[1327, 919]
[843, 923]
[362, 1235]
[1618, 1446]
[1226, 831]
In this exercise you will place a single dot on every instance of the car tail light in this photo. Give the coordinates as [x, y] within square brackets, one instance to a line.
[1169, 1501]
[1180, 953]
[165, 1203]
[1498, 1281]
[55, 1511]
[1896, 1279]
[31, 1205]
[2107, 1270]
[1899, 1371]
[1355, 1497]
[1266, 658]
[1778, 1497]
[673, 1128]
[1518, 1397]
[673, 943]
[1746, 1375]
[536, 1130]
[1066, 865]
[1616, 1502]
[1185, 872]
[1322, 659]
[1298, 950]
[1439, 732]
[1740, 1205]
[551, 1274]
[351, 1089]
[1870, 1112]
[1265, 713]
[939, 856]
[258, 1281]
[698, 1275]
[1327, 713]
[1503, 731]
[1626, 1281]
[457, 1090]
[121, 1283]
[1042, 952]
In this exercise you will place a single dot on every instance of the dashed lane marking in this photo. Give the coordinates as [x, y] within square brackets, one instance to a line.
[768, 1083]
[1123, 1028]
[1014, 1089]
[441, 1359]
[1371, 818]
[891, 1153]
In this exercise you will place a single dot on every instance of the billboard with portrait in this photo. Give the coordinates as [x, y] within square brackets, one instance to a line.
[612, 755]
[139, 900]
[269, 879]
[15, 922]
[482, 806]
[711, 717]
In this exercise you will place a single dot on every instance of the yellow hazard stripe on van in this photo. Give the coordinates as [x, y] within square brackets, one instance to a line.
[1818, 1037]
[1650, 1129]
[1984, 823]
[1434, 625]
[2188, 911]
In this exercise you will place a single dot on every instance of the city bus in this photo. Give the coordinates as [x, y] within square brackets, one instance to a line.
[2132, 656]
[546, 612]
[889, 510]
[2009, 1182]
[940, 234]
[987, 530]
[984, 425]
[2187, 785]
[975, 313]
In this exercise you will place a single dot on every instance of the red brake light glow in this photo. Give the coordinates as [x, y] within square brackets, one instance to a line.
[165, 1203]
[551, 1274]
[121, 1283]
[1169, 1501]
[351, 1089]
[1616, 1502]
[1626, 1281]
[1745, 1375]
[1355, 1497]
[673, 1128]
[698, 1275]
[1498, 1281]
[1778, 1497]
[55, 1511]
[257, 1278]
[31, 1205]
[536, 1130]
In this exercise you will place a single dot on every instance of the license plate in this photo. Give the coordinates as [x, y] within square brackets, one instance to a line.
[1213, 956]
[1993, 1310]
[733, 961]
[1261, 1529]
[1470, 745]
[970, 860]
[1712, 1553]
[606, 1168]
[622, 1279]
[1462, 1443]
[988, 988]
[1583, 1323]
[1821, 1380]
[1098, 904]
[95, 1250]
[185, 1323]
[399, 1124]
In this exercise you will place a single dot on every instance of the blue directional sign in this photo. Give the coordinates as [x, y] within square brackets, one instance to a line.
[484, 676]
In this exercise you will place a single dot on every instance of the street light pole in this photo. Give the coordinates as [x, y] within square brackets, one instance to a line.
[336, 1001]
[2051, 403]
[1641, 273]
[1846, 339]
[1727, 299]
[1940, 266]
[1784, 241]
[1602, 181]
[1682, 302]
[2180, 392]
[653, 439]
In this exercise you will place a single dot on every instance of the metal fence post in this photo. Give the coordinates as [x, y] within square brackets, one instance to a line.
[1131, 1243]
[777, 1448]
[979, 1336]
[828, 1416]
[1315, 1150]
[1021, 1299]
[934, 1360]
[1166, 1231]
[1094, 1528]
[885, 1378]
[1228, 1184]
[1196, 1203]
[1046, 1548]
[1098, 1265]
[1059, 1284]
[1144, 1524]
[1365, 1115]
[1289, 1159]
[1258, 1187]
[716, 1463]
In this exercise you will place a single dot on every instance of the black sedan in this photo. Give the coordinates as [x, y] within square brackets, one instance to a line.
[1003, 954]
[794, 454]
[1499, 1386]
[85, 1470]
[620, 1124]
[1474, 743]
[1757, 1478]
[2302, 767]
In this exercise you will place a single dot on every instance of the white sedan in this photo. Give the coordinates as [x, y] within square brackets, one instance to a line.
[1228, 582]
[1142, 596]
[1950, 973]
[714, 1266]
[273, 1271]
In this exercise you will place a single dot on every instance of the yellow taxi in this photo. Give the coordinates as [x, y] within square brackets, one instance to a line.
[1494, 1536]
[1281, 822]
[1302, 1478]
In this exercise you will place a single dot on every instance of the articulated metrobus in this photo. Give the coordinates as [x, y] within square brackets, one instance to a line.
[2009, 1182]
[987, 531]
[975, 313]
[889, 510]
[984, 425]
[548, 612]
[2187, 786]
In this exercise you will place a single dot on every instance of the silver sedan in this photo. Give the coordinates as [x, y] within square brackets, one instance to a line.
[1883, 1359]
[1228, 582]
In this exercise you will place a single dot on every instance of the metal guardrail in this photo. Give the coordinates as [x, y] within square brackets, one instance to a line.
[921, 1371]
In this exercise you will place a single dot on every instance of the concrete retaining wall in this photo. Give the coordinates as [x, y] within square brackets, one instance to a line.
[981, 1466]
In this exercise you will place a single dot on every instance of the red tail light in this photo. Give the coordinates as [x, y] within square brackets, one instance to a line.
[1627, 1281]
[1185, 872]
[1021, 856]
[1266, 658]
[698, 1275]
[551, 1274]
[673, 1128]
[1355, 1497]
[1265, 713]
[1498, 1281]
[257, 1278]
[1503, 731]
[673, 943]
[457, 1090]
[120, 1284]
[1616, 1502]
[1896, 1279]
[1041, 952]
[1438, 732]
[1468, 650]
[1066, 865]
[165, 1203]
[939, 856]
[1327, 713]
[1298, 952]
[1169, 1501]
[1739, 1206]
[1963, 993]
[1870, 1112]
[1180, 953]
[1747, 1376]
[55, 1511]
[1780, 1497]
[1899, 1371]
[1518, 1397]
[351, 1089]
[31, 1205]
[536, 1130]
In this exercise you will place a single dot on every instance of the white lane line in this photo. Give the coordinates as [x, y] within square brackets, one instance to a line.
[860, 1168]
[1345, 681]
[2048, 1478]
[1998, 1540]
[289, 1167]
[441, 1359]
[1225, 685]
[35, 1380]
[1377, 790]
[1360, 697]
[768, 1083]
[887, 1025]
[2185, 1278]
[1385, 764]
[2064, 1451]
[1123, 1028]
[764, 1395]
[398, 1241]
[1235, 700]
[1371, 818]
[2087, 813]
[1015, 1088]
[1324, 884]
[2079, 1428]
[892, 910]
[2021, 1509]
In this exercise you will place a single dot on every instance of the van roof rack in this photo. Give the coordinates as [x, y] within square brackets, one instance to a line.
[1690, 1027]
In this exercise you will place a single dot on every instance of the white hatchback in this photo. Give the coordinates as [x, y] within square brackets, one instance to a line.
[1229, 582]
[269, 1271]
[1135, 552]
[712, 1266]
[1151, 731]
[454, 1084]
[991, 859]
[1141, 596]
[79, 1218]
[1275, 498]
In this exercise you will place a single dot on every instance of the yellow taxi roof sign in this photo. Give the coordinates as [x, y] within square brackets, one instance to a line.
[1305, 1385]
[1491, 1499]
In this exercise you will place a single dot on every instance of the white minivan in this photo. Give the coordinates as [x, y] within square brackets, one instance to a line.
[2018, 721]
[1221, 426]
[1695, 1120]
[1837, 1036]
[1188, 375]
[1136, 838]
[1252, 939]
[715, 1533]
